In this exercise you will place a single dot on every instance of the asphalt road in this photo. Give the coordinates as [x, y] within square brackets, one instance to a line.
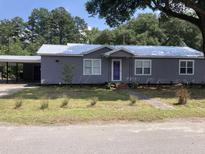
[180, 137]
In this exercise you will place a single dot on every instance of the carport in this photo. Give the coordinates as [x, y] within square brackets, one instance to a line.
[20, 68]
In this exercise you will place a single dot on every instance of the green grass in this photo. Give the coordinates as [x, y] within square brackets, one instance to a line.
[112, 105]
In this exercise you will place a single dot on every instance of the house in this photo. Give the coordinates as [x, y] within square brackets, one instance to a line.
[99, 64]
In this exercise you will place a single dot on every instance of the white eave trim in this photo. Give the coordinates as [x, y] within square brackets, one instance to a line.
[96, 49]
[169, 57]
[119, 49]
[64, 55]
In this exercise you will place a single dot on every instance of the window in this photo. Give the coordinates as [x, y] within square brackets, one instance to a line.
[143, 67]
[186, 67]
[92, 67]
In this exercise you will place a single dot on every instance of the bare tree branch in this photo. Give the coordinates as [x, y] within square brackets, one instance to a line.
[194, 6]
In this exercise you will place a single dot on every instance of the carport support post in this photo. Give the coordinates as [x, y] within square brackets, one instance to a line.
[7, 72]
[129, 59]
[17, 72]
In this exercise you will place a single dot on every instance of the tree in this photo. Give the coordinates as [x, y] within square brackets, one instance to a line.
[123, 35]
[147, 29]
[80, 30]
[105, 37]
[62, 25]
[116, 12]
[18, 27]
[11, 32]
[180, 33]
[43, 26]
[92, 34]
[39, 24]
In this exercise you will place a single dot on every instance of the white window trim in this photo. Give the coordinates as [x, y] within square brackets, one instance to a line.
[120, 60]
[92, 72]
[186, 67]
[143, 67]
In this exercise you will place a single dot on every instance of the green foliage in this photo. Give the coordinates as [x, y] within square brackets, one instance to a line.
[148, 29]
[92, 34]
[59, 27]
[124, 10]
[68, 73]
[191, 11]
[80, 30]
[180, 33]
[62, 25]
[52, 27]
[110, 85]
[105, 37]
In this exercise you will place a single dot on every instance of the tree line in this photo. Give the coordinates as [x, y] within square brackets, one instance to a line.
[150, 29]
[192, 11]
[57, 26]
[43, 26]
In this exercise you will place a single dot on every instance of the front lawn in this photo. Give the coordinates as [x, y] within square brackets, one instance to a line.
[167, 94]
[112, 105]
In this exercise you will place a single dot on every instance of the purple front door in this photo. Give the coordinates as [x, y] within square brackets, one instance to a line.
[116, 70]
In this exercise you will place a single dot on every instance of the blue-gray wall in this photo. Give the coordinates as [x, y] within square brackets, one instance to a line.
[163, 70]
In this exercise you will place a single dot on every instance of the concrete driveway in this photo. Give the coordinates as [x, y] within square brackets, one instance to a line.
[145, 138]
[8, 89]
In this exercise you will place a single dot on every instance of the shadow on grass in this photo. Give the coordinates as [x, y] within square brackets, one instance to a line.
[74, 92]
[179, 104]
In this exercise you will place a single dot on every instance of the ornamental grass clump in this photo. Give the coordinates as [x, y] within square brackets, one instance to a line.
[18, 104]
[93, 101]
[133, 100]
[44, 105]
[183, 96]
[65, 102]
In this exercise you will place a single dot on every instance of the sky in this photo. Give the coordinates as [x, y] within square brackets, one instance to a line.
[23, 8]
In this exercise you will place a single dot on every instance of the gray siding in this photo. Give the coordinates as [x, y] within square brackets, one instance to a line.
[163, 70]
[167, 70]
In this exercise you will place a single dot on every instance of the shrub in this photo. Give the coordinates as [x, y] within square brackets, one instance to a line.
[132, 99]
[44, 105]
[110, 85]
[65, 102]
[183, 95]
[133, 85]
[94, 101]
[18, 104]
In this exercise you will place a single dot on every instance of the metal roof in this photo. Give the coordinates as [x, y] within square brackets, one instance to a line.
[20, 59]
[69, 49]
[74, 49]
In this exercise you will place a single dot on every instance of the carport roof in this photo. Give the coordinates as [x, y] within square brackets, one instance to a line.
[20, 59]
